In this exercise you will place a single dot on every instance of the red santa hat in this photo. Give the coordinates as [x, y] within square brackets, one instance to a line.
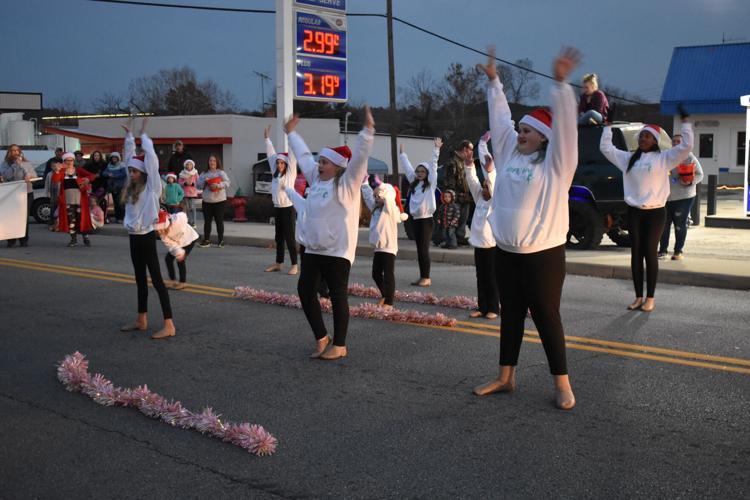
[68, 156]
[138, 162]
[172, 175]
[163, 220]
[339, 156]
[403, 215]
[541, 120]
[654, 130]
[281, 156]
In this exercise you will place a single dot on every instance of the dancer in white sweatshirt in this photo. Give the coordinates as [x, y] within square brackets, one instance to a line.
[383, 237]
[284, 174]
[529, 220]
[645, 180]
[422, 205]
[330, 230]
[481, 233]
[141, 198]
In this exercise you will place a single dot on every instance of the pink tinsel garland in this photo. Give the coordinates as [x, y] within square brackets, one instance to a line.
[457, 302]
[368, 311]
[73, 372]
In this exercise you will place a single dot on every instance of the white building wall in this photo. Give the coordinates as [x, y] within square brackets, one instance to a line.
[724, 128]
[419, 149]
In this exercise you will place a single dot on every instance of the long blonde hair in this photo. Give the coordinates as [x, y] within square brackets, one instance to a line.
[133, 190]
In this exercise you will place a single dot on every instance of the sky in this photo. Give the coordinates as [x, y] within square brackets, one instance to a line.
[77, 49]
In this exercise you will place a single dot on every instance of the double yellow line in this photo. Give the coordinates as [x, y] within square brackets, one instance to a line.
[637, 351]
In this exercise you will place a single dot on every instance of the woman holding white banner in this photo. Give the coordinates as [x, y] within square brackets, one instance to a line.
[12, 170]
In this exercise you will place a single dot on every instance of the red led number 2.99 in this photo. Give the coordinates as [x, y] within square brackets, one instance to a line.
[327, 85]
[321, 42]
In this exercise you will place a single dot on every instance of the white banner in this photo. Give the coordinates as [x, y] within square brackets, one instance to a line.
[14, 210]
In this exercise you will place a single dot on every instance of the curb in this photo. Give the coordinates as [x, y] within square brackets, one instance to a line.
[608, 271]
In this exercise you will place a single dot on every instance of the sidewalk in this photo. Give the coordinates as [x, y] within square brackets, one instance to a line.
[714, 257]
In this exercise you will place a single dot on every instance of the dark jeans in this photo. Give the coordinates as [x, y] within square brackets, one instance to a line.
[52, 208]
[181, 266]
[144, 256]
[645, 227]
[677, 215]
[463, 220]
[422, 233]
[534, 282]
[384, 274]
[487, 294]
[335, 271]
[213, 211]
[117, 202]
[284, 233]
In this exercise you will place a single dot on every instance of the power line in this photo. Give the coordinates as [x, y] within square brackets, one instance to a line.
[355, 14]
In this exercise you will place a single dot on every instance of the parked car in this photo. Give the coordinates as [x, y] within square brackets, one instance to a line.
[596, 199]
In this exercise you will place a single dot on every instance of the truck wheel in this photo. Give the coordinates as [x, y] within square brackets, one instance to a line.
[619, 237]
[41, 210]
[586, 227]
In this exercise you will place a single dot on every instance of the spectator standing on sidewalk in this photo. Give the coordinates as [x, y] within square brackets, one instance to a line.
[74, 209]
[52, 190]
[177, 160]
[446, 217]
[455, 180]
[173, 194]
[116, 175]
[55, 159]
[682, 189]
[188, 179]
[11, 170]
[214, 183]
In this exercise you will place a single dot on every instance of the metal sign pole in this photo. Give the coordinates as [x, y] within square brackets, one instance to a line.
[284, 70]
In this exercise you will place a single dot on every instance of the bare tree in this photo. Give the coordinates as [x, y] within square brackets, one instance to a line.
[65, 106]
[520, 85]
[462, 93]
[110, 103]
[620, 96]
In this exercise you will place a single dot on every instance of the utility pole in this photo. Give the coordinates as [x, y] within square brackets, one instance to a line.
[262, 77]
[284, 70]
[392, 90]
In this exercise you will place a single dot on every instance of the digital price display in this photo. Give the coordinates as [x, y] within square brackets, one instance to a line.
[321, 79]
[321, 56]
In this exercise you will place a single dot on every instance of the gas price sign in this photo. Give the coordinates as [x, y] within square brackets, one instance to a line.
[320, 56]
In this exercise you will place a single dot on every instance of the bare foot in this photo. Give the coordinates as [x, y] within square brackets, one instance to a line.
[637, 303]
[166, 332]
[320, 349]
[334, 352]
[564, 398]
[475, 314]
[490, 315]
[140, 324]
[381, 302]
[649, 305]
[505, 382]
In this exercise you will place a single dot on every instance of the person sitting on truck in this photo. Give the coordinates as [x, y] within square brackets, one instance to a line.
[593, 107]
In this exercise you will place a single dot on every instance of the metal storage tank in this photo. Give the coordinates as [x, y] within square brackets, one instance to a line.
[21, 132]
[6, 118]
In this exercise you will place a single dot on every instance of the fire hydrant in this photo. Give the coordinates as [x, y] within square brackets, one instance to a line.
[238, 203]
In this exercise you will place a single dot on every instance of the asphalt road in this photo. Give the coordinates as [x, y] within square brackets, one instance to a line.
[396, 418]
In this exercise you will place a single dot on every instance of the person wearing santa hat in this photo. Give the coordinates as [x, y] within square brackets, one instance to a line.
[141, 198]
[529, 221]
[74, 213]
[284, 174]
[330, 230]
[173, 194]
[188, 179]
[422, 205]
[179, 238]
[481, 238]
[386, 216]
[214, 182]
[645, 182]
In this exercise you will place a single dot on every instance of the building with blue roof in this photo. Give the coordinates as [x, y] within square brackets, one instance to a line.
[709, 80]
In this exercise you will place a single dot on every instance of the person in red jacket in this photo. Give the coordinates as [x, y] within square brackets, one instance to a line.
[73, 200]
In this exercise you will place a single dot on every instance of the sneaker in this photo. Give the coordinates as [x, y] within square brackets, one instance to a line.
[221, 244]
[204, 244]
[677, 256]
[662, 255]
[86, 241]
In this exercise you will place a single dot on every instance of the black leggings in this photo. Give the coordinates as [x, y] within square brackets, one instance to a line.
[384, 274]
[181, 265]
[422, 234]
[143, 254]
[487, 294]
[335, 271]
[284, 232]
[213, 211]
[645, 228]
[534, 282]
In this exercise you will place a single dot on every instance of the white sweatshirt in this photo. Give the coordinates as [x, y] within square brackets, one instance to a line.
[179, 234]
[332, 215]
[300, 206]
[481, 232]
[422, 202]
[646, 186]
[280, 183]
[530, 200]
[141, 215]
[384, 221]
